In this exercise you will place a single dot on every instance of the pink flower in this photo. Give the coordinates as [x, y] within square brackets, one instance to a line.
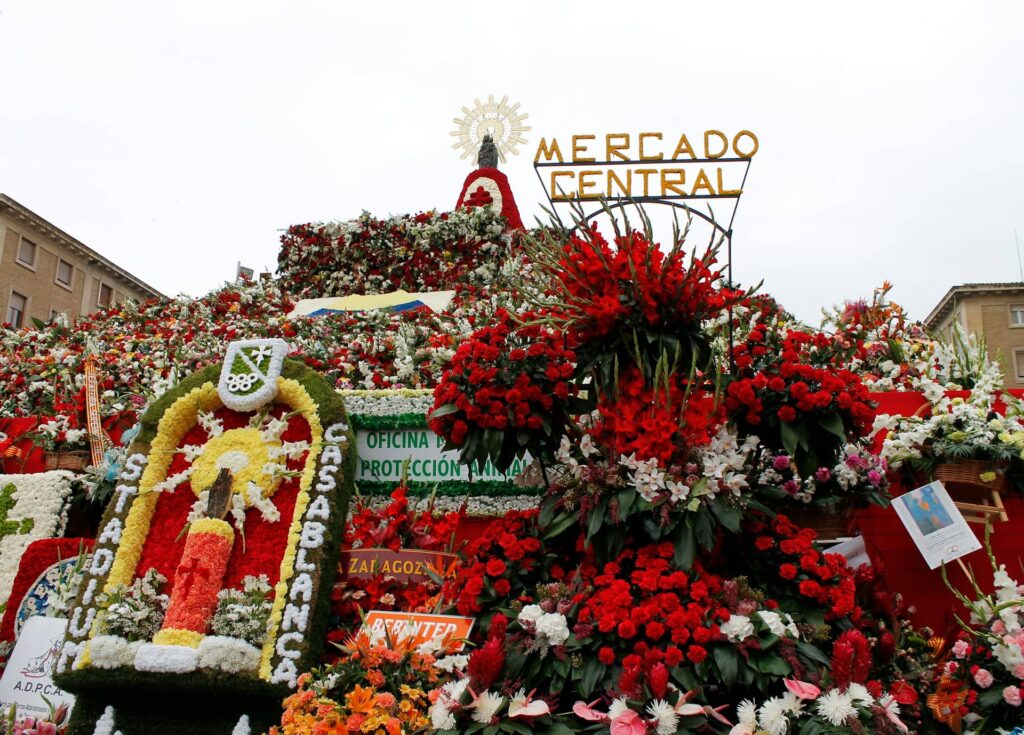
[983, 678]
[587, 712]
[1011, 695]
[1018, 671]
[630, 723]
[999, 627]
[961, 649]
[802, 689]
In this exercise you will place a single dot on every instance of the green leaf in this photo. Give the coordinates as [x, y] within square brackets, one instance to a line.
[727, 515]
[770, 664]
[789, 437]
[727, 660]
[596, 519]
[833, 424]
[686, 546]
[561, 524]
[445, 410]
[593, 672]
[626, 498]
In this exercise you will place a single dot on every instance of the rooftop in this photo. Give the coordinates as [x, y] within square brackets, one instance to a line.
[948, 301]
[24, 214]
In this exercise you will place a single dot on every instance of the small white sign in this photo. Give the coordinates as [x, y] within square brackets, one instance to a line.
[854, 550]
[26, 680]
[936, 524]
[383, 453]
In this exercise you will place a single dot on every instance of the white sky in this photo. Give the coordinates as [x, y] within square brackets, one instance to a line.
[178, 138]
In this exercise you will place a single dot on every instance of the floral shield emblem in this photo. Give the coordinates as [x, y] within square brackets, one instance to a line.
[248, 378]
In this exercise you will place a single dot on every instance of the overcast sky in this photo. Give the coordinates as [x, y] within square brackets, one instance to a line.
[179, 138]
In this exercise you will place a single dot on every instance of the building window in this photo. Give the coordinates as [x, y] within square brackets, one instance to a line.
[65, 273]
[1018, 364]
[1017, 315]
[27, 253]
[16, 309]
[106, 295]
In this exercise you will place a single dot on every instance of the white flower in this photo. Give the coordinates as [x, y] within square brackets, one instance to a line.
[530, 614]
[617, 707]
[451, 663]
[835, 706]
[746, 713]
[737, 628]
[860, 694]
[553, 626]
[484, 707]
[772, 717]
[664, 715]
[774, 622]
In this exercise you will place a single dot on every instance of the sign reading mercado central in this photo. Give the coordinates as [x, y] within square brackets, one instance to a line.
[645, 166]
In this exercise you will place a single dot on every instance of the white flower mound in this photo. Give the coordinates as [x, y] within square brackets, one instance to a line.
[41, 498]
[231, 655]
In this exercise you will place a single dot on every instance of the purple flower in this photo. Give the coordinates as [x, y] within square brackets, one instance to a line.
[874, 477]
[791, 487]
[823, 474]
[781, 463]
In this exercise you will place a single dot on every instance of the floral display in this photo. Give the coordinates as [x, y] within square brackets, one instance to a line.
[791, 394]
[858, 474]
[394, 253]
[631, 303]
[957, 429]
[393, 526]
[505, 394]
[32, 507]
[284, 470]
[983, 677]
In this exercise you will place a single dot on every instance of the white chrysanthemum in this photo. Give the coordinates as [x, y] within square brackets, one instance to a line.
[664, 715]
[484, 707]
[860, 694]
[617, 707]
[772, 717]
[835, 706]
[746, 714]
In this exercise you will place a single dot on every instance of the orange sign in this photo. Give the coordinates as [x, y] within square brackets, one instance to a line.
[405, 565]
[422, 627]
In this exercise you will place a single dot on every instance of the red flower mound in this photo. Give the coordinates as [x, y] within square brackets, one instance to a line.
[641, 611]
[651, 423]
[505, 563]
[610, 291]
[506, 377]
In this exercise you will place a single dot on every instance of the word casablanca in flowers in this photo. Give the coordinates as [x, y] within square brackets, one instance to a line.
[220, 543]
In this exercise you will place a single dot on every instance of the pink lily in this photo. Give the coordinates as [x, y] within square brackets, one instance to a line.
[802, 689]
[587, 712]
[628, 723]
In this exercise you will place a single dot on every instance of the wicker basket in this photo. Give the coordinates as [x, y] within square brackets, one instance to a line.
[73, 461]
[969, 472]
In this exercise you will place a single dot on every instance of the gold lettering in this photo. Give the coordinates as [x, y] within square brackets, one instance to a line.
[626, 189]
[646, 172]
[578, 150]
[702, 182]
[544, 150]
[707, 144]
[643, 156]
[351, 565]
[726, 192]
[671, 185]
[683, 147]
[612, 149]
[736, 144]
[556, 190]
[585, 184]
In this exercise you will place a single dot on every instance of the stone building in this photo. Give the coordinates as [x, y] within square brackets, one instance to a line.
[45, 271]
[995, 310]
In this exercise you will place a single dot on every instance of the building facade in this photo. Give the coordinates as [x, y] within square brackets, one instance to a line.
[44, 271]
[995, 310]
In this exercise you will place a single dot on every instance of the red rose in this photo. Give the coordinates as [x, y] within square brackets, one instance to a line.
[787, 571]
[696, 654]
[606, 656]
[495, 568]
[502, 587]
[627, 630]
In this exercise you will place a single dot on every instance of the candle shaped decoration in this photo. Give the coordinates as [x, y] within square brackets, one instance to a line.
[200, 573]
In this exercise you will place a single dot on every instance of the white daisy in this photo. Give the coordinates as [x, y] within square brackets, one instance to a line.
[835, 706]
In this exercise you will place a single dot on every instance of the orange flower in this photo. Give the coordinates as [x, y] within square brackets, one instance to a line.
[359, 700]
